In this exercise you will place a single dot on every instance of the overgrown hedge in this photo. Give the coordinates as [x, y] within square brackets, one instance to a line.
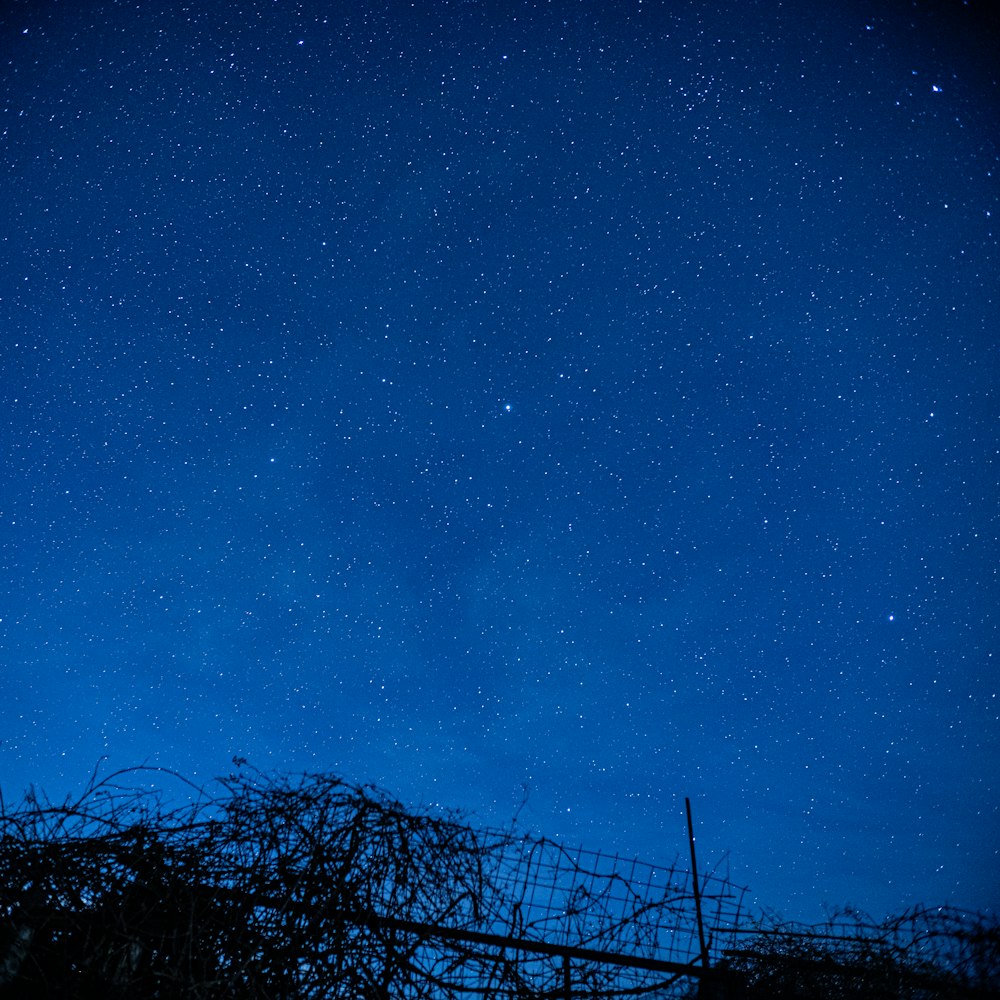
[272, 887]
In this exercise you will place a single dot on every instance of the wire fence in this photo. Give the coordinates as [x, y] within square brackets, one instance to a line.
[314, 887]
[310, 887]
[581, 898]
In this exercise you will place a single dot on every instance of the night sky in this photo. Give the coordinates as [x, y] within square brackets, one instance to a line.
[596, 402]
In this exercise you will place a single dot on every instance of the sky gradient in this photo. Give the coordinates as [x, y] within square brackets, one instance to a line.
[592, 402]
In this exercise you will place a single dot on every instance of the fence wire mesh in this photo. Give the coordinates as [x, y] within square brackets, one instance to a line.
[310, 887]
[590, 899]
[313, 887]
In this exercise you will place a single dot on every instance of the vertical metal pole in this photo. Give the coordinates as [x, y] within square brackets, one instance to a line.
[697, 888]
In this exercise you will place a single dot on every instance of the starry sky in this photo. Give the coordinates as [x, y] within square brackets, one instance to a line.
[589, 402]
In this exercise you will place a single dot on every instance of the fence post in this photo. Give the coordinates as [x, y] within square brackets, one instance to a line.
[697, 888]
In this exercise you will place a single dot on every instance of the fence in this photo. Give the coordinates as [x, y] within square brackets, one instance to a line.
[313, 887]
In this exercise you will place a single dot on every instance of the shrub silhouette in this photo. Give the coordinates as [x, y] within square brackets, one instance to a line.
[299, 887]
[925, 954]
[262, 891]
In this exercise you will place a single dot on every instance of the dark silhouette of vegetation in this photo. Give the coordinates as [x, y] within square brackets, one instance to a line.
[311, 887]
[926, 953]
